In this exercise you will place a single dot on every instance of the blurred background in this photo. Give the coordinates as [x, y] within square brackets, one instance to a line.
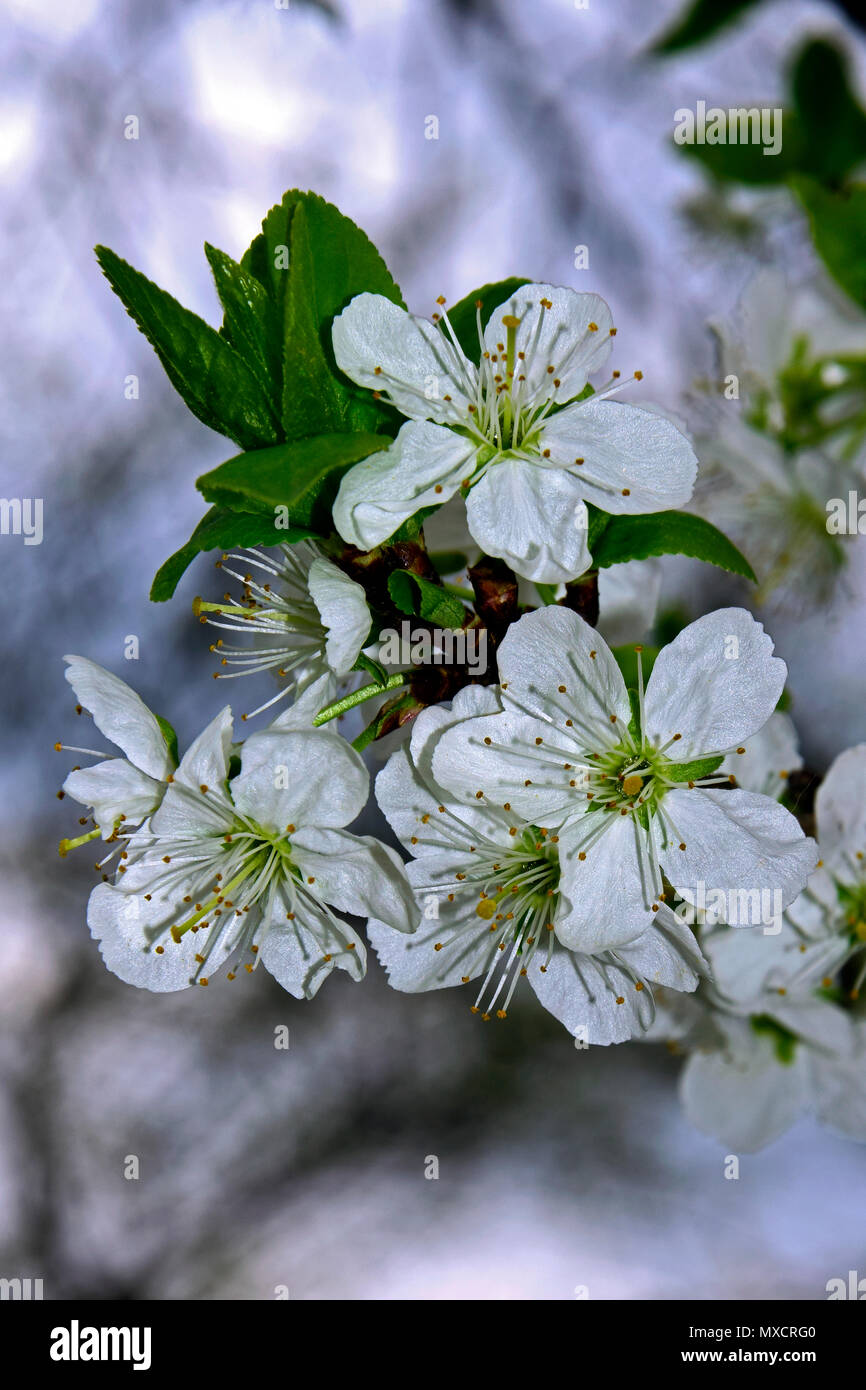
[265, 1170]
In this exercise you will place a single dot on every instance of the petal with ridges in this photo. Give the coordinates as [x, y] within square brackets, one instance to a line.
[342, 605]
[735, 842]
[634, 461]
[534, 518]
[121, 715]
[422, 468]
[356, 874]
[559, 337]
[716, 684]
[300, 779]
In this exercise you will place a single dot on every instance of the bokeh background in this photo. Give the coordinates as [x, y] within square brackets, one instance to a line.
[304, 1169]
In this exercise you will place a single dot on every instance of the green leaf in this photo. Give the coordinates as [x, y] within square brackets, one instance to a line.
[667, 533]
[422, 599]
[838, 224]
[700, 21]
[220, 529]
[312, 260]
[448, 561]
[546, 592]
[693, 771]
[824, 128]
[331, 261]
[462, 316]
[203, 367]
[598, 521]
[832, 121]
[251, 323]
[736, 163]
[301, 476]
[169, 734]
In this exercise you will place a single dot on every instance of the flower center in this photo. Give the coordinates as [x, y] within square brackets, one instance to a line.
[274, 605]
[513, 390]
[520, 899]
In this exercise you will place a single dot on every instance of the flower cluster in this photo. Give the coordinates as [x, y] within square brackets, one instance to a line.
[615, 824]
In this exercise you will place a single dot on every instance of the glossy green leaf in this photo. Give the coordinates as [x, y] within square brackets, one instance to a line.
[313, 260]
[301, 476]
[832, 122]
[204, 368]
[420, 598]
[221, 529]
[700, 21]
[838, 224]
[667, 533]
[251, 323]
[463, 316]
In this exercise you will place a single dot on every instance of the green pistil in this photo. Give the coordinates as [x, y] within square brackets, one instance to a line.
[199, 606]
[252, 867]
[66, 845]
[534, 875]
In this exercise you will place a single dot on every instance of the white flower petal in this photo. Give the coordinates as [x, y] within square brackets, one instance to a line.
[821, 1024]
[112, 789]
[302, 711]
[735, 841]
[610, 904]
[522, 766]
[206, 761]
[716, 684]
[302, 951]
[628, 597]
[119, 714]
[839, 1086]
[745, 1101]
[471, 702]
[554, 647]
[356, 874]
[342, 605]
[633, 459]
[667, 953]
[559, 337]
[817, 911]
[770, 755]
[412, 810]
[595, 1000]
[840, 810]
[300, 779]
[418, 366]
[534, 518]
[414, 963]
[128, 928]
[424, 466]
[743, 962]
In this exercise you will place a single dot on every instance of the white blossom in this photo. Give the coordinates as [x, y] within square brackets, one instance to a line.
[633, 790]
[241, 866]
[307, 617]
[117, 790]
[492, 895]
[509, 433]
